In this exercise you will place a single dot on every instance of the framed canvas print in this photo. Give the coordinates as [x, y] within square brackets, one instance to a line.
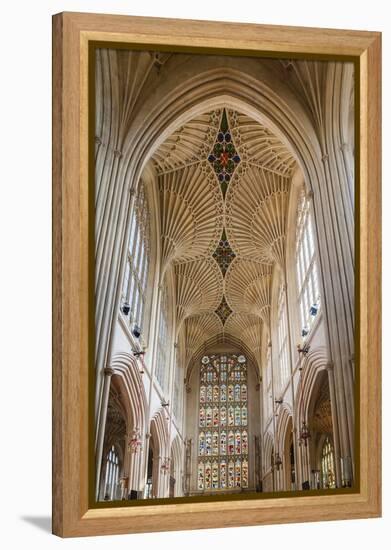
[216, 216]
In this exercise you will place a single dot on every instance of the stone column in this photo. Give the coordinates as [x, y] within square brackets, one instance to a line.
[336, 432]
[108, 373]
[154, 336]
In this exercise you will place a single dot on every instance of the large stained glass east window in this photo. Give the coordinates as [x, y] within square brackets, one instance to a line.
[223, 423]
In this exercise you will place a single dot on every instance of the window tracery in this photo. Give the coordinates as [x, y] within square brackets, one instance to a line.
[306, 267]
[137, 262]
[112, 474]
[282, 334]
[163, 340]
[327, 465]
[223, 423]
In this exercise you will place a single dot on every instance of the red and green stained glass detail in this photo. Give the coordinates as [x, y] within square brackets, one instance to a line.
[223, 424]
[223, 311]
[223, 253]
[224, 157]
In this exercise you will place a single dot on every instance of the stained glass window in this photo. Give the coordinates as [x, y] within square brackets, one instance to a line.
[223, 423]
[306, 267]
[328, 471]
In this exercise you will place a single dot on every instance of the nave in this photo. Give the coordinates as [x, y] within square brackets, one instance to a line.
[224, 275]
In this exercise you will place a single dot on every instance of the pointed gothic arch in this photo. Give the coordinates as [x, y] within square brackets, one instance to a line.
[159, 444]
[148, 139]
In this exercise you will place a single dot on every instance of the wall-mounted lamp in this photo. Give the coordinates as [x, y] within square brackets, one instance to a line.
[125, 308]
[136, 331]
[314, 309]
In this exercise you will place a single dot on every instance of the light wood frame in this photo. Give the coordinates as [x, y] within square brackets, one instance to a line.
[71, 35]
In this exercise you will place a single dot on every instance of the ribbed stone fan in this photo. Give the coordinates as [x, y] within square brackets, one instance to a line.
[258, 145]
[247, 328]
[133, 71]
[199, 287]
[256, 215]
[198, 329]
[248, 288]
[191, 214]
[190, 143]
[307, 79]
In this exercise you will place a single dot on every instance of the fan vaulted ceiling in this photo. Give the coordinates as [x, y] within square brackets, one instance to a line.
[224, 184]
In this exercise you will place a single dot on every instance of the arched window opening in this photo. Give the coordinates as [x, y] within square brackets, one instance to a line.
[134, 287]
[282, 334]
[223, 424]
[306, 267]
[327, 465]
[162, 342]
[148, 486]
[112, 475]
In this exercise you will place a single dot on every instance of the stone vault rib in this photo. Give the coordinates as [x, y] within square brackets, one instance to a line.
[248, 287]
[191, 214]
[257, 202]
[199, 287]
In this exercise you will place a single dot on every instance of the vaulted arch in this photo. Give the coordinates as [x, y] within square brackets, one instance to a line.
[248, 287]
[222, 143]
[127, 377]
[313, 364]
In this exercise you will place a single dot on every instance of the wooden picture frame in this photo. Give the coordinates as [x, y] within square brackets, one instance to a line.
[72, 35]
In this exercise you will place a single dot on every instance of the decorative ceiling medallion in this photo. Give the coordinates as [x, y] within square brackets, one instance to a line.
[224, 253]
[224, 157]
[223, 311]
[205, 360]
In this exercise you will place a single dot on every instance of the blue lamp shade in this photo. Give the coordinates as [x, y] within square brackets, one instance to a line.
[314, 309]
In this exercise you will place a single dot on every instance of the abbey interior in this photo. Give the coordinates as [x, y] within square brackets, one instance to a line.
[224, 241]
